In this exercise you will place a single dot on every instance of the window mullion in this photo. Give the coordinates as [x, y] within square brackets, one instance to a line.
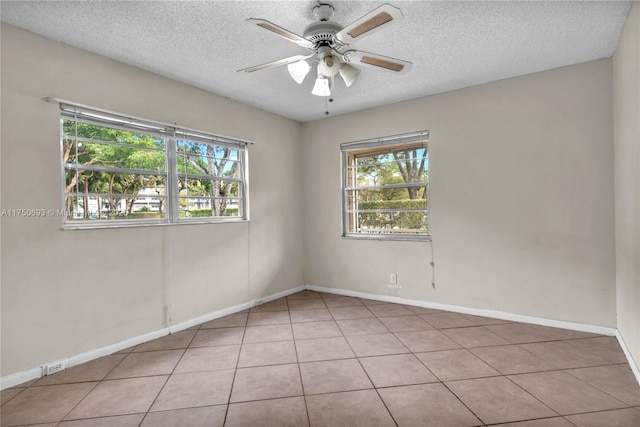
[242, 186]
[172, 180]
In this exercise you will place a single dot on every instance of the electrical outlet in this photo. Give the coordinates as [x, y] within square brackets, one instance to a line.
[52, 368]
[393, 278]
[258, 302]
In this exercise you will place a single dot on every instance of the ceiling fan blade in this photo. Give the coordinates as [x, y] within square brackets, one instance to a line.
[286, 34]
[379, 61]
[277, 63]
[373, 21]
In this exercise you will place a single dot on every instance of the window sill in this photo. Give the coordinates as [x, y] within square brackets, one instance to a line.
[109, 225]
[388, 237]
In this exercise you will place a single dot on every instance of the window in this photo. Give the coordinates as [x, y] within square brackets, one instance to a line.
[210, 179]
[385, 185]
[123, 171]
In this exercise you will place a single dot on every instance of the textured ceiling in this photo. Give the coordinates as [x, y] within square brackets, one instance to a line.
[451, 44]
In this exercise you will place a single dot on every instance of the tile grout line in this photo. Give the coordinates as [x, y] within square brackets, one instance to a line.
[378, 393]
[462, 402]
[14, 396]
[168, 376]
[114, 368]
[598, 412]
[304, 395]
[532, 419]
[235, 371]
[532, 395]
[93, 388]
[569, 421]
[440, 381]
[81, 400]
[371, 381]
[596, 387]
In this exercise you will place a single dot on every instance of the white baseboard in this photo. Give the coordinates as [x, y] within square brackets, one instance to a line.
[279, 295]
[627, 353]
[227, 311]
[35, 373]
[20, 377]
[594, 329]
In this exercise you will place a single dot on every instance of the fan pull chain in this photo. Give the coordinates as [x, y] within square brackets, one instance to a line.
[326, 105]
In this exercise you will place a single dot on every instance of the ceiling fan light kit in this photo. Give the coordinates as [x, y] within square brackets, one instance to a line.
[298, 70]
[329, 45]
[349, 74]
[322, 87]
[329, 66]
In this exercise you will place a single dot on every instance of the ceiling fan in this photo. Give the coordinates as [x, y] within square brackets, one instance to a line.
[329, 44]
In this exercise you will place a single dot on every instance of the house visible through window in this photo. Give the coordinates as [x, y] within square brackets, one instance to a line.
[386, 187]
[119, 171]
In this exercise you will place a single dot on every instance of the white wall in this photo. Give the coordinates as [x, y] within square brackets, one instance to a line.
[521, 198]
[65, 292]
[626, 79]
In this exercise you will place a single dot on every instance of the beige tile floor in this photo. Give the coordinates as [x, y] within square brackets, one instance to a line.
[326, 360]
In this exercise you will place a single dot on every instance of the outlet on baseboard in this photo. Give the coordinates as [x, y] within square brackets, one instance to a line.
[52, 368]
[258, 302]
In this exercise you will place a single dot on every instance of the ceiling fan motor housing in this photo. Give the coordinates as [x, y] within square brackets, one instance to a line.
[321, 33]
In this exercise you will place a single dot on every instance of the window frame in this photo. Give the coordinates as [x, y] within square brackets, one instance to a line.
[348, 151]
[242, 185]
[171, 134]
